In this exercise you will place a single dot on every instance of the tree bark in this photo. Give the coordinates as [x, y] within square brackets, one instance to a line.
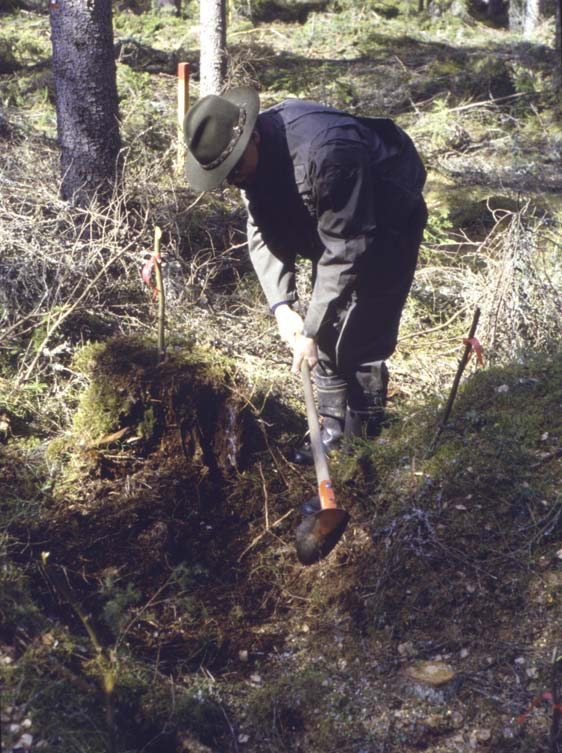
[558, 77]
[526, 15]
[212, 19]
[86, 98]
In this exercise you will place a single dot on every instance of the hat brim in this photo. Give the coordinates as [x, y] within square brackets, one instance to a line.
[201, 179]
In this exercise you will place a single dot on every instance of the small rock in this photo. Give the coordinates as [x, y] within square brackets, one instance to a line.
[25, 741]
[242, 739]
[464, 653]
[243, 655]
[406, 649]
[480, 737]
[457, 719]
[502, 388]
[256, 679]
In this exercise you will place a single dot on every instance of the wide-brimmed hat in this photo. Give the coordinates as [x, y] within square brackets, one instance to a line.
[217, 131]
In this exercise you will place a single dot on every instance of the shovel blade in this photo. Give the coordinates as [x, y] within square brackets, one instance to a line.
[318, 534]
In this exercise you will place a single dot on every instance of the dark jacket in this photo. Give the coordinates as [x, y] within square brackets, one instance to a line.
[325, 181]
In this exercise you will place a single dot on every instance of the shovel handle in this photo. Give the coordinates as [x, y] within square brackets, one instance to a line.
[325, 491]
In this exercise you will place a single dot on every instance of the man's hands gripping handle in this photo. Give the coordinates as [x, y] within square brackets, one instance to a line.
[291, 327]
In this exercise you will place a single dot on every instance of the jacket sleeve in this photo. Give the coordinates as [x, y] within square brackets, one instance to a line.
[345, 205]
[275, 270]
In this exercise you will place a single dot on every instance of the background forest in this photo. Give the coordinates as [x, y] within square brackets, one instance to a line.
[151, 599]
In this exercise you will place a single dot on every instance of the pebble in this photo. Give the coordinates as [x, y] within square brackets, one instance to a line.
[480, 737]
[243, 655]
[25, 741]
[406, 649]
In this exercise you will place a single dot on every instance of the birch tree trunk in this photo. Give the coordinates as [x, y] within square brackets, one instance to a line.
[526, 15]
[86, 97]
[212, 19]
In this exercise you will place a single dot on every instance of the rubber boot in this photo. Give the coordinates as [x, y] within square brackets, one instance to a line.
[331, 393]
[367, 399]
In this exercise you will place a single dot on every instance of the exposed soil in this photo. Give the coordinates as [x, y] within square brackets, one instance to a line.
[163, 540]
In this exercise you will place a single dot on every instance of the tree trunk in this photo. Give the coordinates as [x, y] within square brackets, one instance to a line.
[526, 15]
[531, 17]
[212, 18]
[558, 77]
[86, 98]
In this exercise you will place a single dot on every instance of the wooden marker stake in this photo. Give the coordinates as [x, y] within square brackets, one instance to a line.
[183, 104]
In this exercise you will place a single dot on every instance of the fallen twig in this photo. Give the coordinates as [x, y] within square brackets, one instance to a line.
[258, 538]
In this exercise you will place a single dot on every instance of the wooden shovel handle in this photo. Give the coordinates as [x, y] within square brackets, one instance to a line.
[325, 491]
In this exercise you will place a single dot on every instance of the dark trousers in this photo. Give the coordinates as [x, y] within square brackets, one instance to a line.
[366, 330]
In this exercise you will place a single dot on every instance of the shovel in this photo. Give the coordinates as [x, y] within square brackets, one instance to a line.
[319, 532]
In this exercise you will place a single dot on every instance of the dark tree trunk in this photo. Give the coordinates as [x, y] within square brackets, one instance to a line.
[495, 8]
[86, 97]
[558, 77]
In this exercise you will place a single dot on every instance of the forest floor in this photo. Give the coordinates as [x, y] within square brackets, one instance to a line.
[151, 596]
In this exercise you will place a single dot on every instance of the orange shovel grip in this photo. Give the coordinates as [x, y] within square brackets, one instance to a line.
[326, 494]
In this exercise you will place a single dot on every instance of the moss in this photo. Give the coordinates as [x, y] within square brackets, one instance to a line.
[305, 708]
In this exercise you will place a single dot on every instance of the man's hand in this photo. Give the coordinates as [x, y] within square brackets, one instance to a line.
[289, 322]
[304, 347]
[290, 328]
